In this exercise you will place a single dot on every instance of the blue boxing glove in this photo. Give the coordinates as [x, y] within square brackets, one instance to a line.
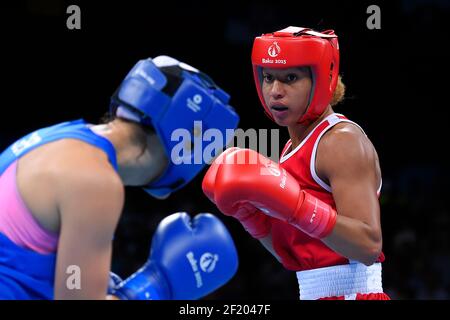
[188, 260]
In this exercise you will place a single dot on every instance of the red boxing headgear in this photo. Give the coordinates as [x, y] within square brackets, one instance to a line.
[298, 47]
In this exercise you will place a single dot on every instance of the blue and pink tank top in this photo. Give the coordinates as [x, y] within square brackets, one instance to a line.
[27, 250]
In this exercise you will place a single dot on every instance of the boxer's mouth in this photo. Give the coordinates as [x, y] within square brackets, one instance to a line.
[279, 107]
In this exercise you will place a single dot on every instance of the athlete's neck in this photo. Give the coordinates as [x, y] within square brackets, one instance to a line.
[137, 164]
[298, 132]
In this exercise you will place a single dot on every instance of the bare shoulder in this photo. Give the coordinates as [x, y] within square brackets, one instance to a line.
[85, 163]
[345, 147]
[345, 137]
[86, 184]
[63, 170]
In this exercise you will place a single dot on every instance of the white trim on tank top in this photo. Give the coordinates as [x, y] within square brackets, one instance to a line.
[290, 154]
[333, 119]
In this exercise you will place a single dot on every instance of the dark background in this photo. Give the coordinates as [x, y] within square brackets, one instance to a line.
[396, 81]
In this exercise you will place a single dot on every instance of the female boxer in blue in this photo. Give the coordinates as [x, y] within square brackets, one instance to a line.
[62, 194]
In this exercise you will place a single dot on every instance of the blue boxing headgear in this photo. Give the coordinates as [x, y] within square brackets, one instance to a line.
[168, 95]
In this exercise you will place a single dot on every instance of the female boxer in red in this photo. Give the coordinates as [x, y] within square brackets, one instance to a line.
[317, 210]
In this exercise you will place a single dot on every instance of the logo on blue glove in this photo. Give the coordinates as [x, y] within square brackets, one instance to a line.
[208, 262]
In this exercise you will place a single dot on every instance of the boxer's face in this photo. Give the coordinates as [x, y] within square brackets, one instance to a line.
[286, 93]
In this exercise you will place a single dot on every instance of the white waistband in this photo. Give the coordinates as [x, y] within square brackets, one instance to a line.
[340, 280]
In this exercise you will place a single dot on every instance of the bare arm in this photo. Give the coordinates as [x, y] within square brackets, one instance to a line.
[90, 204]
[347, 160]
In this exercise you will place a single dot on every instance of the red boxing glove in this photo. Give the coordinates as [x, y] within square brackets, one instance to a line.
[210, 177]
[255, 222]
[262, 183]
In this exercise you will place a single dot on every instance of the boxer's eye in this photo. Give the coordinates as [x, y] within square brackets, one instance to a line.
[268, 78]
[291, 77]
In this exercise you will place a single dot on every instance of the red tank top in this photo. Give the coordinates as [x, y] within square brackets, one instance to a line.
[297, 250]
